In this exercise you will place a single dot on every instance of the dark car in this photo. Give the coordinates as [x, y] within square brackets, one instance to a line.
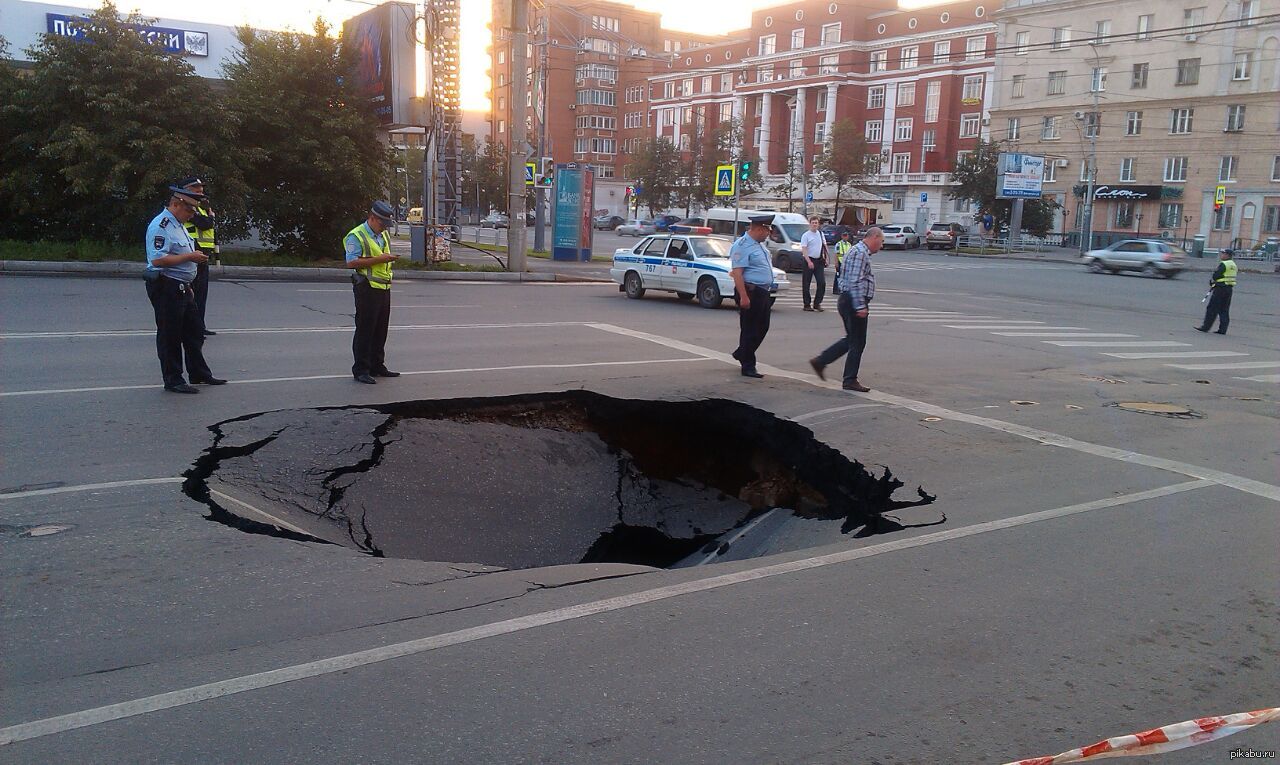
[832, 231]
[607, 222]
[663, 222]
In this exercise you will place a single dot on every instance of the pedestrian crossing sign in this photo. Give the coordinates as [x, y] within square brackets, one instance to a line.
[726, 180]
[529, 169]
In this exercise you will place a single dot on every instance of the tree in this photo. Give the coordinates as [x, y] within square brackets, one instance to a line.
[786, 188]
[485, 174]
[975, 179]
[845, 159]
[656, 168]
[309, 144]
[99, 129]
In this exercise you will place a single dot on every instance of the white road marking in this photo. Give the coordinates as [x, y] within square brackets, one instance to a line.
[1062, 334]
[344, 662]
[1115, 344]
[1248, 485]
[832, 410]
[260, 514]
[1005, 326]
[344, 291]
[305, 378]
[1175, 354]
[89, 487]
[1239, 365]
[402, 307]
[1262, 378]
[967, 318]
[277, 330]
[731, 540]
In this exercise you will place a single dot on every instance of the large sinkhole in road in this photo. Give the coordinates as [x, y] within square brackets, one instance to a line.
[544, 479]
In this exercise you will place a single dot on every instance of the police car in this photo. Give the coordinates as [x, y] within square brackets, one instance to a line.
[687, 264]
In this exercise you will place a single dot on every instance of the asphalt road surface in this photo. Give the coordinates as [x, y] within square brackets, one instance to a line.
[1100, 571]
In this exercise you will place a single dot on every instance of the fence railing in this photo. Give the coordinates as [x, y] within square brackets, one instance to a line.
[1006, 244]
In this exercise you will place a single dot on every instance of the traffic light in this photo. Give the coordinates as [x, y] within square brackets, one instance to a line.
[745, 170]
[631, 191]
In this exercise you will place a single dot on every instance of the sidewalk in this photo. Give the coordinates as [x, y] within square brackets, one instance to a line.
[133, 270]
[1064, 255]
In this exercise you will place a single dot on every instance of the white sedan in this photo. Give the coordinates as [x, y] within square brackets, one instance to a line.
[636, 227]
[902, 237]
[686, 265]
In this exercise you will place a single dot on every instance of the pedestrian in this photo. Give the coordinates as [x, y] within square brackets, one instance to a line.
[842, 248]
[857, 290]
[172, 259]
[201, 229]
[814, 248]
[1221, 285]
[752, 272]
[369, 256]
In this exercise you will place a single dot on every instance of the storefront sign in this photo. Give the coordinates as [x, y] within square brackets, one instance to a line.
[1127, 193]
[185, 42]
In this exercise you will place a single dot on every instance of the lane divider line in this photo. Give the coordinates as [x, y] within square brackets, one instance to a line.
[89, 487]
[274, 330]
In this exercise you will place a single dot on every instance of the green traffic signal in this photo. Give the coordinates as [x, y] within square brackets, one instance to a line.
[744, 173]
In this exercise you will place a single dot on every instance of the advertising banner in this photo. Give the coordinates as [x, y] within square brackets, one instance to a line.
[384, 70]
[186, 42]
[1127, 193]
[571, 217]
[1019, 176]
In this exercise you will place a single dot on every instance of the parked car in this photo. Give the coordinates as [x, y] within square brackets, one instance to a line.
[663, 222]
[902, 237]
[414, 216]
[690, 266]
[607, 222]
[495, 220]
[832, 231]
[636, 227]
[1150, 256]
[943, 235]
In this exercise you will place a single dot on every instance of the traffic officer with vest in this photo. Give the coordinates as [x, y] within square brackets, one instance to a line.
[200, 227]
[1221, 285]
[752, 272]
[842, 248]
[172, 259]
[368, 251]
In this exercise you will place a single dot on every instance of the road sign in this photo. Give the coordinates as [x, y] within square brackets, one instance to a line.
[808, 197]
[924, 197]
[1219, 197]
[529, 169]
[726, 181]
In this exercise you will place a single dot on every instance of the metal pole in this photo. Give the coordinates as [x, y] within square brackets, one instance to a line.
[540, 193]
[519, 88]
[1086, 241]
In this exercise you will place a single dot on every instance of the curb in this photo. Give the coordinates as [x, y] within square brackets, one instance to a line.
[122, 270]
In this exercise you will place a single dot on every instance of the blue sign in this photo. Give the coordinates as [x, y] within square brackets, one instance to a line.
[186, 42]
[924, 197]
[571, 222]
[808, 197]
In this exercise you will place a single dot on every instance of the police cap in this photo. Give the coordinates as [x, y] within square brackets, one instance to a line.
[383, 210]
[194, 180]
[761, 220]
[1230, 253]
[188, 195]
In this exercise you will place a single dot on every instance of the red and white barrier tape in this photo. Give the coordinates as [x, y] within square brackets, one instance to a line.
[1159, 740]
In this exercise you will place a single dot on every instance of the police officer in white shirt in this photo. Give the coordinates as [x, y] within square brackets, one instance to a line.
[814, 248]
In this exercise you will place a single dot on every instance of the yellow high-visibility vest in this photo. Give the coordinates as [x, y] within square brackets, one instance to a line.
[379, 275]
[203, 237]
[1229, 272]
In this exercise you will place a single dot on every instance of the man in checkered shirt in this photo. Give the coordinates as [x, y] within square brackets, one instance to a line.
[857, 288]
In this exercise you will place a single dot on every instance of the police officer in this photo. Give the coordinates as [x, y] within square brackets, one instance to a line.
[842, 248]
[172, 259]
[200, 228]
[752, 272]
[368, 251]
[1221, 285]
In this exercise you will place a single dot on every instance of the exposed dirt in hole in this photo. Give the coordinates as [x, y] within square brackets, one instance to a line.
[541, 479]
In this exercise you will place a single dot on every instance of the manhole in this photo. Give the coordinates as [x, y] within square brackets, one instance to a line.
[1157, 408]
[1025, 403]
[543, 479]
[932, 419]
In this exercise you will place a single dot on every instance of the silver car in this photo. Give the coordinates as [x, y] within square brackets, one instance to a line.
[902, 237]
[1150, 256]
[636, 227]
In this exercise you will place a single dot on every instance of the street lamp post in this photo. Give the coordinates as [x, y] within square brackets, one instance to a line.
[1086, 241]
[1186, 223]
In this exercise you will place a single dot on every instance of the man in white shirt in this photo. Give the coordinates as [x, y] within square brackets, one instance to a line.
[814, 248]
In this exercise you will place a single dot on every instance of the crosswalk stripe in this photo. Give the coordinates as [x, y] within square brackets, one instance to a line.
[1002, 326]
[1062, 334]
[1115, 344]
[1175, 354]
[1237, 365]
[937, 320]
[1262, 378]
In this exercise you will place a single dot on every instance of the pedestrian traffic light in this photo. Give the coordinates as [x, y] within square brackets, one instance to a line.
[745, 170]
[631, 191]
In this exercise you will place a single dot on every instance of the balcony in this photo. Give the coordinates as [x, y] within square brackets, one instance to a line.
[914, 179]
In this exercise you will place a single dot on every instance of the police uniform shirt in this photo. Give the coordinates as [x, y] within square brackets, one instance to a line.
[167, 236]
[353, 246]
[753, 258]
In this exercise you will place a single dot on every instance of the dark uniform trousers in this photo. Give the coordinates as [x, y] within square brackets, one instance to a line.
[853, 343]
[373, 316]
[200, 286]
[1219, 308]
[818, 273]
[753, 325]
[179, 331]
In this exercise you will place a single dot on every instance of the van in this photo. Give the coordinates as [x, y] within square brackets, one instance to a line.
[415, 215]
[783, 243]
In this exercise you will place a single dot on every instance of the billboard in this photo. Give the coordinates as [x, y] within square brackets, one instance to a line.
[1127, 193]
[383, 69]
[1019, 176]
[185, 42]
[574, 200]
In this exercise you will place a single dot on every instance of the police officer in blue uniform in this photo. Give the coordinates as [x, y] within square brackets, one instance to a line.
[752, 271]
[172, 259]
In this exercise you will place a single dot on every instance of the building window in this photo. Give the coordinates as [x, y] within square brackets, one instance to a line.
[929, 140]
[830, 34]
[1014, 131]
[608, 47]
[906, 94]
[1098, 81]
[1050, 171]
[969, 125]
[1175, 169]
[756, 136]
[580, 145]
[764, 73]
[1102, 31]
[899, 200]
[1092, 124]
[1271, 218]
[932, 97]
[1193, 17]
[1222, 218]
[1180, 121]
[1243, 69]
[604, 146]
[634, 94]
[502, 126]
[910, 57]
[1145, 23]
[1188, 71]
[972, 90]
[686, 115]
[820, 132]
[597, 97]
[1126, 169]
[1235, 118]
[706, 84]
[879, 61]
[975, 48]
[631, 120]
[502, 79]
[1050, 129]
[797, 39]
[1227, 169]
[1133, 123]
[502, 103]
[902, 129]
[726, 83]
[1124, 214]
[1275, 168]
[1061, 38]
[605, 72]
[726, 112]
[875, 131]
[1058, 82]
[604, 22]
[686, 87]
[1170, 215]
[1021, 43]
[599, 122]
[1140, 72]
[1086, 169]
[796, 68]
[820, 103]
[603, 171]
[1019, 85]
[901, 163]
[828, 64]
[669, 89]
[875, 97]
[768, 45]
[1248, 12]
[961, 205]
[502, 57]
[941, 52]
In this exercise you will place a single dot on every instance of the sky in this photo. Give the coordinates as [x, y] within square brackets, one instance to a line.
[704, 16]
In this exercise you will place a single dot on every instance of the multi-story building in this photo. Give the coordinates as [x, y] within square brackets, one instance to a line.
[1172, 99]
[916, 83]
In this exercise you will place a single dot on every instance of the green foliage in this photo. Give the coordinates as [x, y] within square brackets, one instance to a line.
[845, 159]
[308, 146]
[484, 172]
[791, 177]
[975, 178]
[656, 168]
[96, 131]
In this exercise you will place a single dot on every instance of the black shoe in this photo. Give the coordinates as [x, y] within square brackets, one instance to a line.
[1201, 329]
[807, 308]
[209, 333]
[751, 373]
[855, 385]
[1220, 332]
[819, 308]
[818, 367]
[208, 381]
[735, 355]
[366, 379]
[181, 388]
[386, 373]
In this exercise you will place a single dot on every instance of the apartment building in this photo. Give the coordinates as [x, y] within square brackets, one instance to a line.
[1173, 98]
[917, 82]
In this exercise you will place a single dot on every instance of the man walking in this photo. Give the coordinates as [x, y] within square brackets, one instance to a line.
[172, 259]
[752, 272]
[368, 252]
[814, 248]
[857, 290]
[1221, 285]
[201, 230]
